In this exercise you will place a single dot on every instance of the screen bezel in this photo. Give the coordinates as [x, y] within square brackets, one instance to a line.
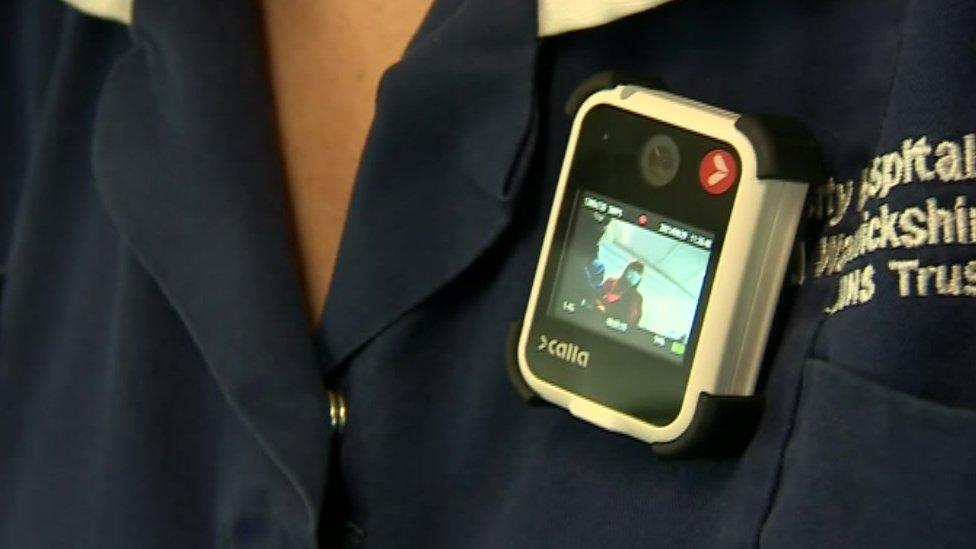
[635, 382]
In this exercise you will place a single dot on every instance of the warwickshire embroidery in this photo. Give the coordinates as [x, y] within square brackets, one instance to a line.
[933, 222]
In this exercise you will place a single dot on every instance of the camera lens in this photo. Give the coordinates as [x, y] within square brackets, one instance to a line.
[659, 160]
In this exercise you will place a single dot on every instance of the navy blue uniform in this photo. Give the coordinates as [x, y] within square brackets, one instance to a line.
[159, 387]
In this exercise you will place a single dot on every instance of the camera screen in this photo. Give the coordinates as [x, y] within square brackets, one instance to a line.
[631, 275]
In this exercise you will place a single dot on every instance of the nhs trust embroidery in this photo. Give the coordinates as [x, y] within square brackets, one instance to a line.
[933, 221]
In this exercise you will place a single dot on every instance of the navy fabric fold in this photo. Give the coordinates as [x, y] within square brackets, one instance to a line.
[185, 157]
[431, 196]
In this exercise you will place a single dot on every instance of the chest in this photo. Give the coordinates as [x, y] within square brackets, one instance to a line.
[326, 60]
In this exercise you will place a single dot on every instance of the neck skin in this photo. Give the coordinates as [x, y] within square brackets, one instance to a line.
[326, 59]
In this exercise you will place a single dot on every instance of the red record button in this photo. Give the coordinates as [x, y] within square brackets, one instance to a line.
[717, 171]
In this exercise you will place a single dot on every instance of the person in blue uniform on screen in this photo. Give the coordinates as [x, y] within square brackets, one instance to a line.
[584, 286]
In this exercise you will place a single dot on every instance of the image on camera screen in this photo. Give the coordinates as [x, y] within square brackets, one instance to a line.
[632, 275]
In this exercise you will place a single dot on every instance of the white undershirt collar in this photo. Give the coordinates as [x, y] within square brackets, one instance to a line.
[559, 16]
[555, 16]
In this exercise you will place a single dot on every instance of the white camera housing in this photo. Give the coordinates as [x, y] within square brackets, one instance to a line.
[747, 279]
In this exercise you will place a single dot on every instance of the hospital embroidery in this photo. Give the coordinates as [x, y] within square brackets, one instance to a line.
[935, 221]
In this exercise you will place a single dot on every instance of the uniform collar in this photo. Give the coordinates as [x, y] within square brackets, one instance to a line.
[187, 162]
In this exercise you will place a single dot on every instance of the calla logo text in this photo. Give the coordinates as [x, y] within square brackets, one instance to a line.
[570, 352]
